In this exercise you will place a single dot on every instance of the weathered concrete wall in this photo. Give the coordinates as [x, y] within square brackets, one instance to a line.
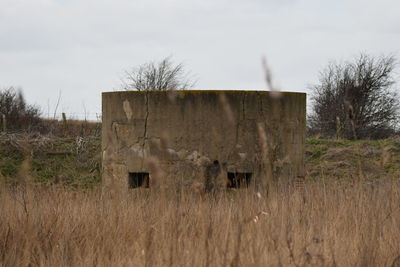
[187, 136]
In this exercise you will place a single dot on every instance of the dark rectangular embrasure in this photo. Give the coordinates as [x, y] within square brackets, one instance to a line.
[239, 179]
[138, 179]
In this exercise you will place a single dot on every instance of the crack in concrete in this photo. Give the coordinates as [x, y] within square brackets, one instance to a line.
[145, 126]
[261, 108]
[238, 124]
[243, 109]
[146, 118]
[237, 133]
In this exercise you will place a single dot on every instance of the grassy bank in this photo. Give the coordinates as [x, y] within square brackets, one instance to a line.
[348, 161]
[75, 162]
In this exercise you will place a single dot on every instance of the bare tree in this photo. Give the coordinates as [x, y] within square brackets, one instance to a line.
[356, 99]
[163, 75]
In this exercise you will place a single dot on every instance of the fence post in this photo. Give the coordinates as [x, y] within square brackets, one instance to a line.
[64, 118]
[338, 128]
[4, 122]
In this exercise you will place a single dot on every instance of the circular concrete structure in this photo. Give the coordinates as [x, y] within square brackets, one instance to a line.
[213, 138]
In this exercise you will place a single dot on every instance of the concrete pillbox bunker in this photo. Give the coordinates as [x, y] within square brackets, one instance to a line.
[213, 138]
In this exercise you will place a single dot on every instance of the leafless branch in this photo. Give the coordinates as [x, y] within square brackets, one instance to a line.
[157, 76]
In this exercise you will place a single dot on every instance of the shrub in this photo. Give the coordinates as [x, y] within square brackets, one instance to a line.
[163, 75]
[356, 99]
[19, 115]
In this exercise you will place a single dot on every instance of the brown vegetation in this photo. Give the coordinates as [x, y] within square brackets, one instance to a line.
[325, 225]
[336, 218]
[70, 128]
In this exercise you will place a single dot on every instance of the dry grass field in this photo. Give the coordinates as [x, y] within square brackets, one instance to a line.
[54, 213]
[324, 225]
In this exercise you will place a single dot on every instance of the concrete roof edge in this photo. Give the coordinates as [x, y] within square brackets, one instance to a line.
[205, 91]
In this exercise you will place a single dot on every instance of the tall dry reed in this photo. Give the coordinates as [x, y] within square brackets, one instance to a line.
[328, 225]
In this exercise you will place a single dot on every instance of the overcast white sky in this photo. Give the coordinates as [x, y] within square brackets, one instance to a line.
[82, 47]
